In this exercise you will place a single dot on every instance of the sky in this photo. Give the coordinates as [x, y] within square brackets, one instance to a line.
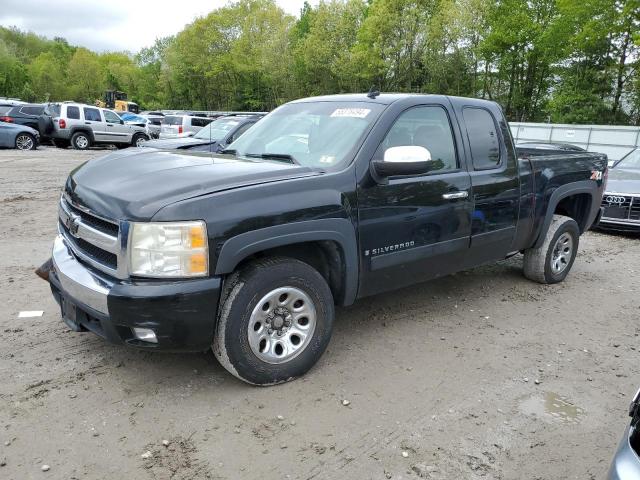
[107, 25]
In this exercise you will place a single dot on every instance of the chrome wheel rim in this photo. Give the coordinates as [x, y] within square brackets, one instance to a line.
[82, 142]
[562, 252]
[281, 325]
[24, 142]
[140, 141]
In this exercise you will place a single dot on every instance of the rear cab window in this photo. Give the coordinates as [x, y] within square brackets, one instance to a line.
[484, 141]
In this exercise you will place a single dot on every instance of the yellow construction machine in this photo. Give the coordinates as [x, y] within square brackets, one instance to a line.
[117, 101]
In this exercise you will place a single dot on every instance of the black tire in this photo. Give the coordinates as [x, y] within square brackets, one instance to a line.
[243, 290]
[61, 143]
[138, 137]
[25, 141]
[539, 262]
[80, 141]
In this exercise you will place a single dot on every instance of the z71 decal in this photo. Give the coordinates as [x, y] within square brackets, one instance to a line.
[596, 175]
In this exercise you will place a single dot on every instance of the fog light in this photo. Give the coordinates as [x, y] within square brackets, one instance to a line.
[145, 334]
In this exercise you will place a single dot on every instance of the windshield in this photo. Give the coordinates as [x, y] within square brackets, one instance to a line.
[314, 134]
[217, 129]
[631, 161]
[172, 120]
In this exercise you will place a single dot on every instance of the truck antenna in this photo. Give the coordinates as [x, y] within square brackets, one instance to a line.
[373, 93]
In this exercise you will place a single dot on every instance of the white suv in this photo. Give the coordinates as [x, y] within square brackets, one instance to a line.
[82, 126]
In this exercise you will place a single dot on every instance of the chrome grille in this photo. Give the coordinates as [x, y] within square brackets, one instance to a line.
[621, 206]
[94, 240]
[634, 213]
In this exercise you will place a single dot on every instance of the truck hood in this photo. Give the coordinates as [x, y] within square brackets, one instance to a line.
[623, 180]
[171, 143]
[134, 184]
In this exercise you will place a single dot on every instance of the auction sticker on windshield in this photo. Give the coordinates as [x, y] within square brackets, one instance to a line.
[351, 112]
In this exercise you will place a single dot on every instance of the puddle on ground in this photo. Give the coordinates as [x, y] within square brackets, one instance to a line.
[552, 405]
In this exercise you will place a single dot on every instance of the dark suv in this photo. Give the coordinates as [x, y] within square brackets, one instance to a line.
[36, 116]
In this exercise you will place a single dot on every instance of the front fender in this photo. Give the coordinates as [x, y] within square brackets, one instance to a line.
[339, 230]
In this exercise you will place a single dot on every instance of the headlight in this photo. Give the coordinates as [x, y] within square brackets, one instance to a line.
[169, 249]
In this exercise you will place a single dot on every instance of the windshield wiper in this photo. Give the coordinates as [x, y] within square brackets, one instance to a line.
[228, 151]
[274, 156]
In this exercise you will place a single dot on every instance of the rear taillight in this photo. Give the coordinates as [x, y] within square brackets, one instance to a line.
[62, 123]
[6, 119]
[180, 129]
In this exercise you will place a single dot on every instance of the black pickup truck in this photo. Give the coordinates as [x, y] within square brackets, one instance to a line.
[325, 201]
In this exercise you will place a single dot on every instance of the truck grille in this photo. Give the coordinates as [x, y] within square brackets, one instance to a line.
[621, 206]
[92, 239]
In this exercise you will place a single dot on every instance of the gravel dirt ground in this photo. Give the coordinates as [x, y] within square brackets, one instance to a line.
[480, 375]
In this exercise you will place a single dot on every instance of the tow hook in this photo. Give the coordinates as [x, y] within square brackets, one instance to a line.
[43, 270]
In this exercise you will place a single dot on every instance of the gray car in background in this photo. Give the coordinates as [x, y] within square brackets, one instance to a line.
[18, 136]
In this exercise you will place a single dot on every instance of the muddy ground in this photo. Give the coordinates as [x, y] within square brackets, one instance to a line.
[481, 375]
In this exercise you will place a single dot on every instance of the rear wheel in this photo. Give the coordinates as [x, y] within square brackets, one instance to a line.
[25, 141]
[275, 321]
[552, 261]
[80, 141]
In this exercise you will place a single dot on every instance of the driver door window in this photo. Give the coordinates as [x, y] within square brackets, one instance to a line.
[111, 117]
[426, 127]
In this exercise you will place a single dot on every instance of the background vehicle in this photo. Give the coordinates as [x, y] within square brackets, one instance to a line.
[180, 126]
[18, 136]
[151, 127]
[82, 126]
[117, 101]
[324, 201]
[626, 462]
[213, 138]
[36, 116]
[621, 200]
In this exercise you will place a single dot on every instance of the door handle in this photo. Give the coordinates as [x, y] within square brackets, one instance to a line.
[109, 125]
[87, 123]
[455, 195]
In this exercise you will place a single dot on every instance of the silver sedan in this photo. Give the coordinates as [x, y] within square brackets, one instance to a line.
[18, 136]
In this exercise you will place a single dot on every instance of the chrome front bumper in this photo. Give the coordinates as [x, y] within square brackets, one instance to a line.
[81, 284]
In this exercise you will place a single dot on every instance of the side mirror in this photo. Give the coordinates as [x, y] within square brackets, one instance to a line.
[406, 160]
[121, 122]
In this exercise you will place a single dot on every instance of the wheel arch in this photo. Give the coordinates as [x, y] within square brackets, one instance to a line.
[576, 200]
[328, 245]
[88, 131]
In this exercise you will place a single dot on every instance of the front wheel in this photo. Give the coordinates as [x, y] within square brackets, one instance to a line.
[275, 321]
[138, 139]
[25, 141]
[552, 261]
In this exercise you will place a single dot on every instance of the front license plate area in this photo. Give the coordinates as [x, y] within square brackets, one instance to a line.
[70, 315]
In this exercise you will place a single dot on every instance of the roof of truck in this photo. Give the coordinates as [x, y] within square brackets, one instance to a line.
[386, 98]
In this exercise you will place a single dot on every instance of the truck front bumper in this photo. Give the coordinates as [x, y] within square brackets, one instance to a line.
[177, 315]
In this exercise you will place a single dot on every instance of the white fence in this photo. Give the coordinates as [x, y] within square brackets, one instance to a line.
[615, 141]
